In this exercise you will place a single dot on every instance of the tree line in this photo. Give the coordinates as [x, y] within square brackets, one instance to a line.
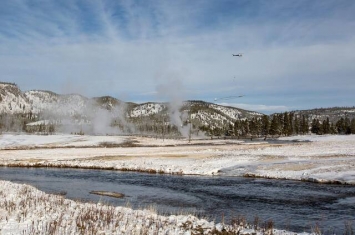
[283, 124]
[287, 124]
[342, 126]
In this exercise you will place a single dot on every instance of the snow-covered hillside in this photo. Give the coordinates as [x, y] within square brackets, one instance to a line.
[42, 100]
[201, 113]
[47, 102]
[334, 113]
[147, 109]
[61, 105]
[204, 114]
[12, 100]
[74, 104]
[207, 118]
[108, 102]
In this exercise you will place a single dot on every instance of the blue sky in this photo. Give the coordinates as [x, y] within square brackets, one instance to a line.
[296, 54]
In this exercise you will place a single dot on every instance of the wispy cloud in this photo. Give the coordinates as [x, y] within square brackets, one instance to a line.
[293, 50]
[266, 109]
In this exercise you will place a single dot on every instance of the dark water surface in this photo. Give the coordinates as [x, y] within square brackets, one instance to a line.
[292, 205]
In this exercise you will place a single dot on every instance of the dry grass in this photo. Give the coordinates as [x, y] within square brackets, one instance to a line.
[270, 158]
[34, 160]
[320, 157]
[173, 155]
[126, 144]
[107, 158]
[296, 166]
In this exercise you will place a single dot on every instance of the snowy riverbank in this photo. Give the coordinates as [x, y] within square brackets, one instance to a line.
[325, 159]
[26, 210]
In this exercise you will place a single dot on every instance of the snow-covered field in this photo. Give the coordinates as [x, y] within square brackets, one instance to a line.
[323, 159]
[26, 210]
[20, 141]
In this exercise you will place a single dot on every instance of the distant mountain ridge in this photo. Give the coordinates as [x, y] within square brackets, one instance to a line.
[106, 111]
[41, 100]
[332, 113]
[47, 105]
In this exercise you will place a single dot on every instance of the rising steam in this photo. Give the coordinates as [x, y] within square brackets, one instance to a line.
[77, 114]
[172, 90]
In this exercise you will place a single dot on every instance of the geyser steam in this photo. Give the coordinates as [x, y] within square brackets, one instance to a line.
[172, 90]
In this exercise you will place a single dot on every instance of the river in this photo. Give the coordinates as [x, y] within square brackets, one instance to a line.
[292, 205]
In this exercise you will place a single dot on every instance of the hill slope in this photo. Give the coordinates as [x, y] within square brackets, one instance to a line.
[108, 115]
[107, 111]
[12, 100]
[334, 113]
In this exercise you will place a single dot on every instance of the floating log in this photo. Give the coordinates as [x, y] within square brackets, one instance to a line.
[108, 194]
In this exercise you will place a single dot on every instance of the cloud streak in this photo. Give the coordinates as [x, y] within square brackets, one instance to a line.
[293, 50]
[267, 109]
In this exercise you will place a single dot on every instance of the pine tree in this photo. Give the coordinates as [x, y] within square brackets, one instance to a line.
[258, 126]
[333, 129]
[296, 126]
[326, 126]
[304, 125]
[245, 128]
[286, 123]
[352, 126]
[237, 128]
[347, 126]
[290, 125]
[316, 127]
[252, 127]
[255, 126]
[275, 125]
[230, 130]
[340, 126]
[265, 125]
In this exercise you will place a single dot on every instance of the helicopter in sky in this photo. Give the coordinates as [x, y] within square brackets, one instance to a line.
[240, 54]
[229, 97]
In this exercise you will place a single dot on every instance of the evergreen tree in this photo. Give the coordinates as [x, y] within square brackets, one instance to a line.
[352, 126]
[296, 126]
[286, 124]
[245, 128]
[316, 127]
[275, 125]
[256, 126]
[340, 126]
[265, 125]
[252, 127]
[281, 123]
[304, 125]
[51, 129]
[347, 126]
[326, 126]
[290, 125]
[333, 129]
[237, 128]
[230, 130]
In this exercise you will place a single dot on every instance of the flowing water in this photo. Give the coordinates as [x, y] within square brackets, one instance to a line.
[292, 205]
